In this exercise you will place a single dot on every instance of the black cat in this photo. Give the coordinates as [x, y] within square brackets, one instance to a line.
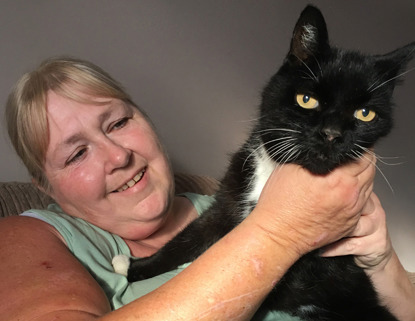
[323, 108]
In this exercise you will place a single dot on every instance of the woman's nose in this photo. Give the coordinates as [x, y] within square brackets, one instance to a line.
[116, 155]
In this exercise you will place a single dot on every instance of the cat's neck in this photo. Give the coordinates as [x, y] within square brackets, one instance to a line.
[263, 167]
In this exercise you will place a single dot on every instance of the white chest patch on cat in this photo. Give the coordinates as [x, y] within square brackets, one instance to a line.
[264, 166]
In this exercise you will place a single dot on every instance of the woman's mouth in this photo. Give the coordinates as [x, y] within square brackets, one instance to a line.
[132, 182]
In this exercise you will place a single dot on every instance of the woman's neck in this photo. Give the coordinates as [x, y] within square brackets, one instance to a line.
[182, 213]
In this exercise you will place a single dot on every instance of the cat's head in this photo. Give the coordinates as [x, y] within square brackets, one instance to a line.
[325, 106]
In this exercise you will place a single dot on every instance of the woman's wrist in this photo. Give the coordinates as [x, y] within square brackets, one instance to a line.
[280, 233]
[394, 288]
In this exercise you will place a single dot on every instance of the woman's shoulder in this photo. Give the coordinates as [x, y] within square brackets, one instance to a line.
[35, 260]
[20, 232]
[22, 229]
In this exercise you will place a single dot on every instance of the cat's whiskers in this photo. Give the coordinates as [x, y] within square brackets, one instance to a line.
[261, 132]
[313, 75]
[389, 80]
[252, 120]
[289, 155]
[285, 151]
[318, 63]
[277, 129]
[283, 146]
[281, 151]
[283, 143]
[319, 67]
[360, 154]
[380, 158]
[407, 56]
[307, 76]
[253, 152]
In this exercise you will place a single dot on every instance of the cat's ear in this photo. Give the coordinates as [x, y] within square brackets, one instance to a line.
[310, 37]
[392, 65]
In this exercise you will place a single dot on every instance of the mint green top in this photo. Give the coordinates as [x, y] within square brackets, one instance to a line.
[95, 248]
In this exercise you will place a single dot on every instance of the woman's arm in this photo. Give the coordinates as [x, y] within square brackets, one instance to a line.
[395, 289]
[372, 247]
[41, 280]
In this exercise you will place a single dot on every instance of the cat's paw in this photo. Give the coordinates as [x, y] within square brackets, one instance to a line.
[121, 263]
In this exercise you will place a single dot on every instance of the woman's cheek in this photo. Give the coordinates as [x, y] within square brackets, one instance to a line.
[83, 183]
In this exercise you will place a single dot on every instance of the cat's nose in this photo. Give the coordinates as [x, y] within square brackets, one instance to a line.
[331, 133]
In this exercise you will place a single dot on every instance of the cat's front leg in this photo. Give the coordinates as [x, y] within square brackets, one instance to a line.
[136, 269]
[148, 267]
[180, 250]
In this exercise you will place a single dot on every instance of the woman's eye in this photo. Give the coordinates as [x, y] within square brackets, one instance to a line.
[77, 156]
[365, 114]
[306, 101]
[120, 124]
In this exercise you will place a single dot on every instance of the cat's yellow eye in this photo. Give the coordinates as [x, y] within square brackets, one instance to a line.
[365, 114]
[306, 101]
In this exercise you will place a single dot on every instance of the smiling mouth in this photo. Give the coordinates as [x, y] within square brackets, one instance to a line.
[131, 182]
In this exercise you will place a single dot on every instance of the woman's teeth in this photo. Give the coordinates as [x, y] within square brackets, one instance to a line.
[132, 182]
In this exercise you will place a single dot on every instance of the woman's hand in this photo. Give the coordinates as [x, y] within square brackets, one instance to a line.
[308, 211]
[371, 245]
[369, 242]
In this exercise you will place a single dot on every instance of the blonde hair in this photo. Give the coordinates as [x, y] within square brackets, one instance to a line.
[26, 110]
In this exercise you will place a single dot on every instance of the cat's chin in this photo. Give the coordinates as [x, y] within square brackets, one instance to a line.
[318, 170]
[323, 167]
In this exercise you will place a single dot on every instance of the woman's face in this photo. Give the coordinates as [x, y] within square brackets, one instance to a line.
[105, 164]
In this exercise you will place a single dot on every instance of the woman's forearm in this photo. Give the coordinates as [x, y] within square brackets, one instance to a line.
[395, 289]
[228, 282]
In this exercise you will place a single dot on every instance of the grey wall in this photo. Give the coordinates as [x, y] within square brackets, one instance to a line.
[197, 67]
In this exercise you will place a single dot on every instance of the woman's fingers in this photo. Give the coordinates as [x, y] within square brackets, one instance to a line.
[369, 242]
[368, 222]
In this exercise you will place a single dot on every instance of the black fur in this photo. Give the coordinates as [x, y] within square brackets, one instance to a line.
[318, 139]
